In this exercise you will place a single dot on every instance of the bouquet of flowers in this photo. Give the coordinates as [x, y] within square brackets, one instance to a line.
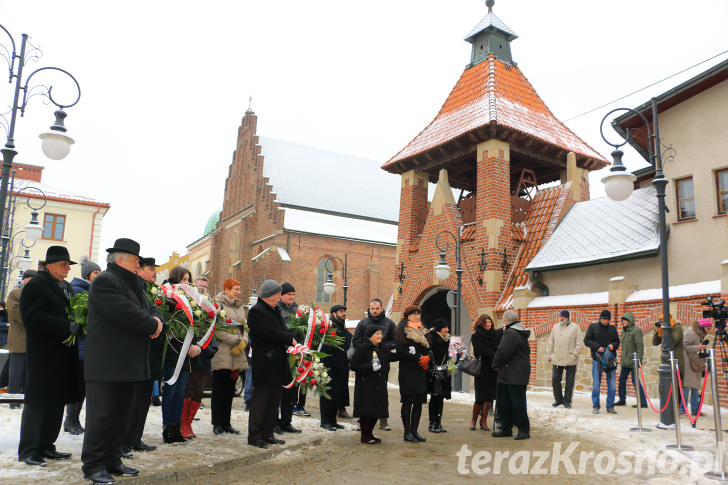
[313, 332]
[77, 311]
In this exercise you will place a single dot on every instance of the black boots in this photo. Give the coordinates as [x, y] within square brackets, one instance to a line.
[171, 434]
[416, 415]
[72, 424]
[407, 423]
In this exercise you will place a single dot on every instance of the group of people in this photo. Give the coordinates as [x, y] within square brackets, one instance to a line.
[567, 340]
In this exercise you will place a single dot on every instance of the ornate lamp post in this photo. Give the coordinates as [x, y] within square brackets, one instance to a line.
[254, 297]
[442, 272]
[330, 286]
[619, 185]
[56, 144]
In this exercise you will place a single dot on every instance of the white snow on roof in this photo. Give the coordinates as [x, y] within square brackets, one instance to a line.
[490, 20]
[337, 226]
[306, 177]
[49, 191]
[565, 301]
[679, 291]
[600, 230]
[283, 254]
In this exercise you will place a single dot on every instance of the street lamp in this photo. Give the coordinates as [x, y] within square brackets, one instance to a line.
[616, 183]
[442, 272]
[56, 144]
[254, 297]
[330, 286]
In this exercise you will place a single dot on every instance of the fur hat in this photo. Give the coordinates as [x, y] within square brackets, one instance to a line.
[510, 316]
[88, 267]
[371, 330]
[269, 288]
[411, 309]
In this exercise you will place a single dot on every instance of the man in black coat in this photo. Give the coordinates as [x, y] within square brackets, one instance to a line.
[375, 317]
[52, 376]
[513, 362]
[338, 366]
[146, 277]
[602, 336]
[289, 397]
[269, 340]
[118, 342]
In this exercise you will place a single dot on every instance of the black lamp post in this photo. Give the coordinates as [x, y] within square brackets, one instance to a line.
[442, 272]
[330, 286]
[254, 297]
[56, 144]
[32, 232]
[619, 185]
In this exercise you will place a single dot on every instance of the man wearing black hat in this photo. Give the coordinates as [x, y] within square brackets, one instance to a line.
[269, 340]
[16, 340]
[139, 408]
[338, 365]
[289, 397]
[120, 330]
[601, 337]
[52, 378]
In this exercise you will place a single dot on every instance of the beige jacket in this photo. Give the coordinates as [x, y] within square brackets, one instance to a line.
[565, 344]
[16, 332]
[224, 357]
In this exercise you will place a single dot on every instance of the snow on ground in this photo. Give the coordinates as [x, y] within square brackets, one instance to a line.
[579, 423]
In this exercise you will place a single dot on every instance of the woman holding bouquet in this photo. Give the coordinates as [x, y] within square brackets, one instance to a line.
[371, 364]
[414, 354]
[230, 359]
[173, 395]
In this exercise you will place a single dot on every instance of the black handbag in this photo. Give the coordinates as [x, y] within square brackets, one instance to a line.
[470, 365]
[437, 375]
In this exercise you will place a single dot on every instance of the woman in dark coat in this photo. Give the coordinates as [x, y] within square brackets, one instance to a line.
[413, 351]
[439, 339]
[370, 361]
[338, 365]
[173, 395]
[485, 342]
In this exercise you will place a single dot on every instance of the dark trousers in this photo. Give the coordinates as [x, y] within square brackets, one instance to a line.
[39, 428]
[138, 410]
[622, 389]
[289, 398]
[328, 411]
[263, 410]
[556, 376]
[173, 396]
[367, 427]
[435, 407]
[221, 402]
[107, 413]
[301, 403]
[16, 378]
[513, 409]
[5, 373]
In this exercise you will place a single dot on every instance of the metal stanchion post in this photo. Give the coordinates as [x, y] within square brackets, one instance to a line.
[637, 391]
[720, 446]
[676, 405]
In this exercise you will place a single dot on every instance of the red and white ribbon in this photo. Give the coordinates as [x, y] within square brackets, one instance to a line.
[305, 348]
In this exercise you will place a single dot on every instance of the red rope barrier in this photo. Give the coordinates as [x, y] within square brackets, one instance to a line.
[644, 388]
[702, 397]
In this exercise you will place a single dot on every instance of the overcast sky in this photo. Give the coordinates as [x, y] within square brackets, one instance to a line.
[166, 83]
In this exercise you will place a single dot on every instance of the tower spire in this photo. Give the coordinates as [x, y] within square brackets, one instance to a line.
[489, 4]
[491, 36]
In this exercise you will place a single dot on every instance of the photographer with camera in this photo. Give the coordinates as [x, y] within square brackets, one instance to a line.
[603, 340]
[695, 344]
[677, 345]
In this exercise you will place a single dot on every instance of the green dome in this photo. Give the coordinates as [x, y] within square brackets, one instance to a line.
[212, 222]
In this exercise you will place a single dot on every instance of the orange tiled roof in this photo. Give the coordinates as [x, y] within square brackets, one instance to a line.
[493, 91]
[543, 216]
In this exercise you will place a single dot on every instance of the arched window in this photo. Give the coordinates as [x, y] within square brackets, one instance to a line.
[321, 274]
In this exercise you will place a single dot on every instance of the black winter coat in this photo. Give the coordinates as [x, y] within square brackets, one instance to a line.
[598, 335]
[156, 364]
[370, 389]
[269, 339]
[53, 372]
[485, 344]
[440, 347]
[513, 357]
[338, 365]
[384, 324]
[120, 322]
[412, 377]
[80, 286]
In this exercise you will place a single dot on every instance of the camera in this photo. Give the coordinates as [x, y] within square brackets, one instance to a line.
[658, 324]
[703, 354]
[718, 312]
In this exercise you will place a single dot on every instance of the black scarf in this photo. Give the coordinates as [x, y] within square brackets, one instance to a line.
[488, 337]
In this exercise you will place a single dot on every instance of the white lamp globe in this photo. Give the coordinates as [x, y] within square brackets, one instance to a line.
[442, 271]
[619, 185]
[33, 232]
[329, 287]
[25, 263]
[253, 299]
[56, 145]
